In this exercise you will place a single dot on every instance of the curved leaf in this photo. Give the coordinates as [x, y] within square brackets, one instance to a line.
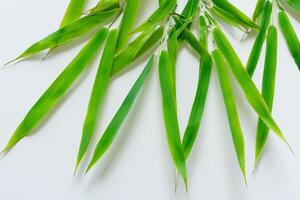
[58, 88]
[68, 33]
[239, 15]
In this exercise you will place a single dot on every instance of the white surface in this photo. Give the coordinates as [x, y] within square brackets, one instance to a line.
[138, 165]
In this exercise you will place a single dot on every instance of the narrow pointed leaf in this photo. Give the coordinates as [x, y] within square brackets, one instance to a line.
[227, 17]
[268, 89]
[58, 88]
[251, 92]
[158, 15]
[135, 49]
[259, 41]
[190, 9]
[290, 36]
[196, 114]
[74, 12]
[98, 93]
[170, 113]
[228, 7]
[69, 32]
[119, 118]
[259, 8]
[232, 113]
[128, 22]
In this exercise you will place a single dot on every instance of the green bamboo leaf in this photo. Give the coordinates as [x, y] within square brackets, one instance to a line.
[68, 33]
[239, 15]
[268, 89]
[151, 42]
[227, 17]
[74, 12]
[158, 15]
[57, 90]
[259, 8]
[128, 21]
[191, 39]
[98, 93]
[135, 49]
[196, 114]
[161, 2]
[105, 5]
[114, 126]
[170, 113]
[259, 41]
[232, 113]
[290, 36]
[203, 31]
[251, 92]
[173, 50]
[294, 4]
[190, 9]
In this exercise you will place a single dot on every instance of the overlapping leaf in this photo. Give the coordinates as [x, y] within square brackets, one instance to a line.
[69, 32]
[235, 12]
[58, 88]
[128, 21]
[195, 118]
[251, 92]
[98, 93]
[158, 15]
[259, 41]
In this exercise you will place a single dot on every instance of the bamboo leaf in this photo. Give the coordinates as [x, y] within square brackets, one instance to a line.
[192, 40]
[259, 8]
[98, 93]
[74, 12]
[294, 4]
[196, 114]
[250, 90]
[105, 5]
[135, 49]
[158, 15]
[57, 90]
[268, 89]
[239, 15]
[259, 41]
[232, 113]
[68, 33]
[128, 21]
[119, 118]
[227, 17]
[170, 113]
[290, 36]
[190, 9]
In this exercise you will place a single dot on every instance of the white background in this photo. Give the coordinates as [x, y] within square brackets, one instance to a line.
[138, 166]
